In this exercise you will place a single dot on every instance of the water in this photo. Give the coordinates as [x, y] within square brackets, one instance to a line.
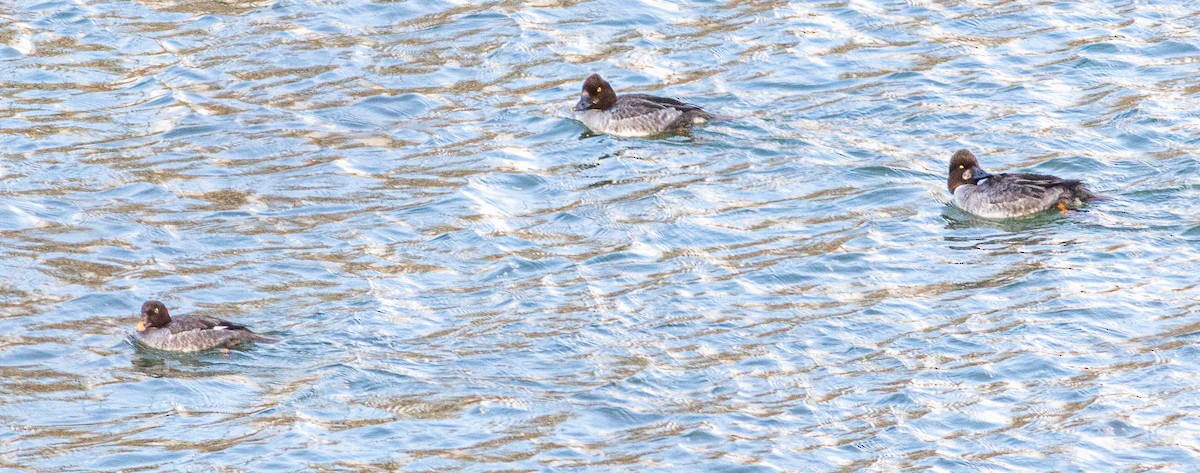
[465, 279]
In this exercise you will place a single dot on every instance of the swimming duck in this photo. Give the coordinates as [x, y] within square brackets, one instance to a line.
[1007, 195]
[603, 111]
[158, 329]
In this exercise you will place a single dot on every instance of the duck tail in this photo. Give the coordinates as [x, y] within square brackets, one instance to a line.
[719, 116]
[1085, 194]
[259, 338]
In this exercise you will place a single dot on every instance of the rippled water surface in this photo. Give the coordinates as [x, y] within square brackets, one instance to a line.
[465, 278]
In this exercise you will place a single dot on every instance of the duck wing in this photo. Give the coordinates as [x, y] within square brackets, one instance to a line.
[1008, 187]
[188, 323]
[664, 102]
[1051, 190]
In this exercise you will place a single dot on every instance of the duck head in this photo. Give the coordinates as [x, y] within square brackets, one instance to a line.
[597, 94]
[154, 315]
[964, 169]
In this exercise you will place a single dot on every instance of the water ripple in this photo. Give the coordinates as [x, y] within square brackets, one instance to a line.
[461, 273]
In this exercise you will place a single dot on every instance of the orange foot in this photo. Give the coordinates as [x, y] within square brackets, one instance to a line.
[1063, 208]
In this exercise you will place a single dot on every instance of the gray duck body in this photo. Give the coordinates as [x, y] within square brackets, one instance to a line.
[642, 115]
[189, 333]
[1010, 195]
[603, 111]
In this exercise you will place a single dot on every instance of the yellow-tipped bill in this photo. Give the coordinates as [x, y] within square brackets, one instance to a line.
[141, 325]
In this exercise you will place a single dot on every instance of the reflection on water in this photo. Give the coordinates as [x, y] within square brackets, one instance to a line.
[165, 365]
[466, 278]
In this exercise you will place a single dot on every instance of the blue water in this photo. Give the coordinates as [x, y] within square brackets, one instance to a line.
[465, 278]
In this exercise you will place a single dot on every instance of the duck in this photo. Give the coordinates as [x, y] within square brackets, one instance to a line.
[1010, 195]
[603, 111]
[188, 333]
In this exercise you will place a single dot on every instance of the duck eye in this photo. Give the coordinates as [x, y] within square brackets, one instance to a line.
[960, 166]
[598, 89]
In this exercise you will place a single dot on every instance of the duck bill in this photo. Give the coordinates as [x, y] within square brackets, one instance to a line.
[141, 325]
[979, 174]
[584, 102]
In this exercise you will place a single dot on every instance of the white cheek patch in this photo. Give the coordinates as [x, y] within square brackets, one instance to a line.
[967, 175]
